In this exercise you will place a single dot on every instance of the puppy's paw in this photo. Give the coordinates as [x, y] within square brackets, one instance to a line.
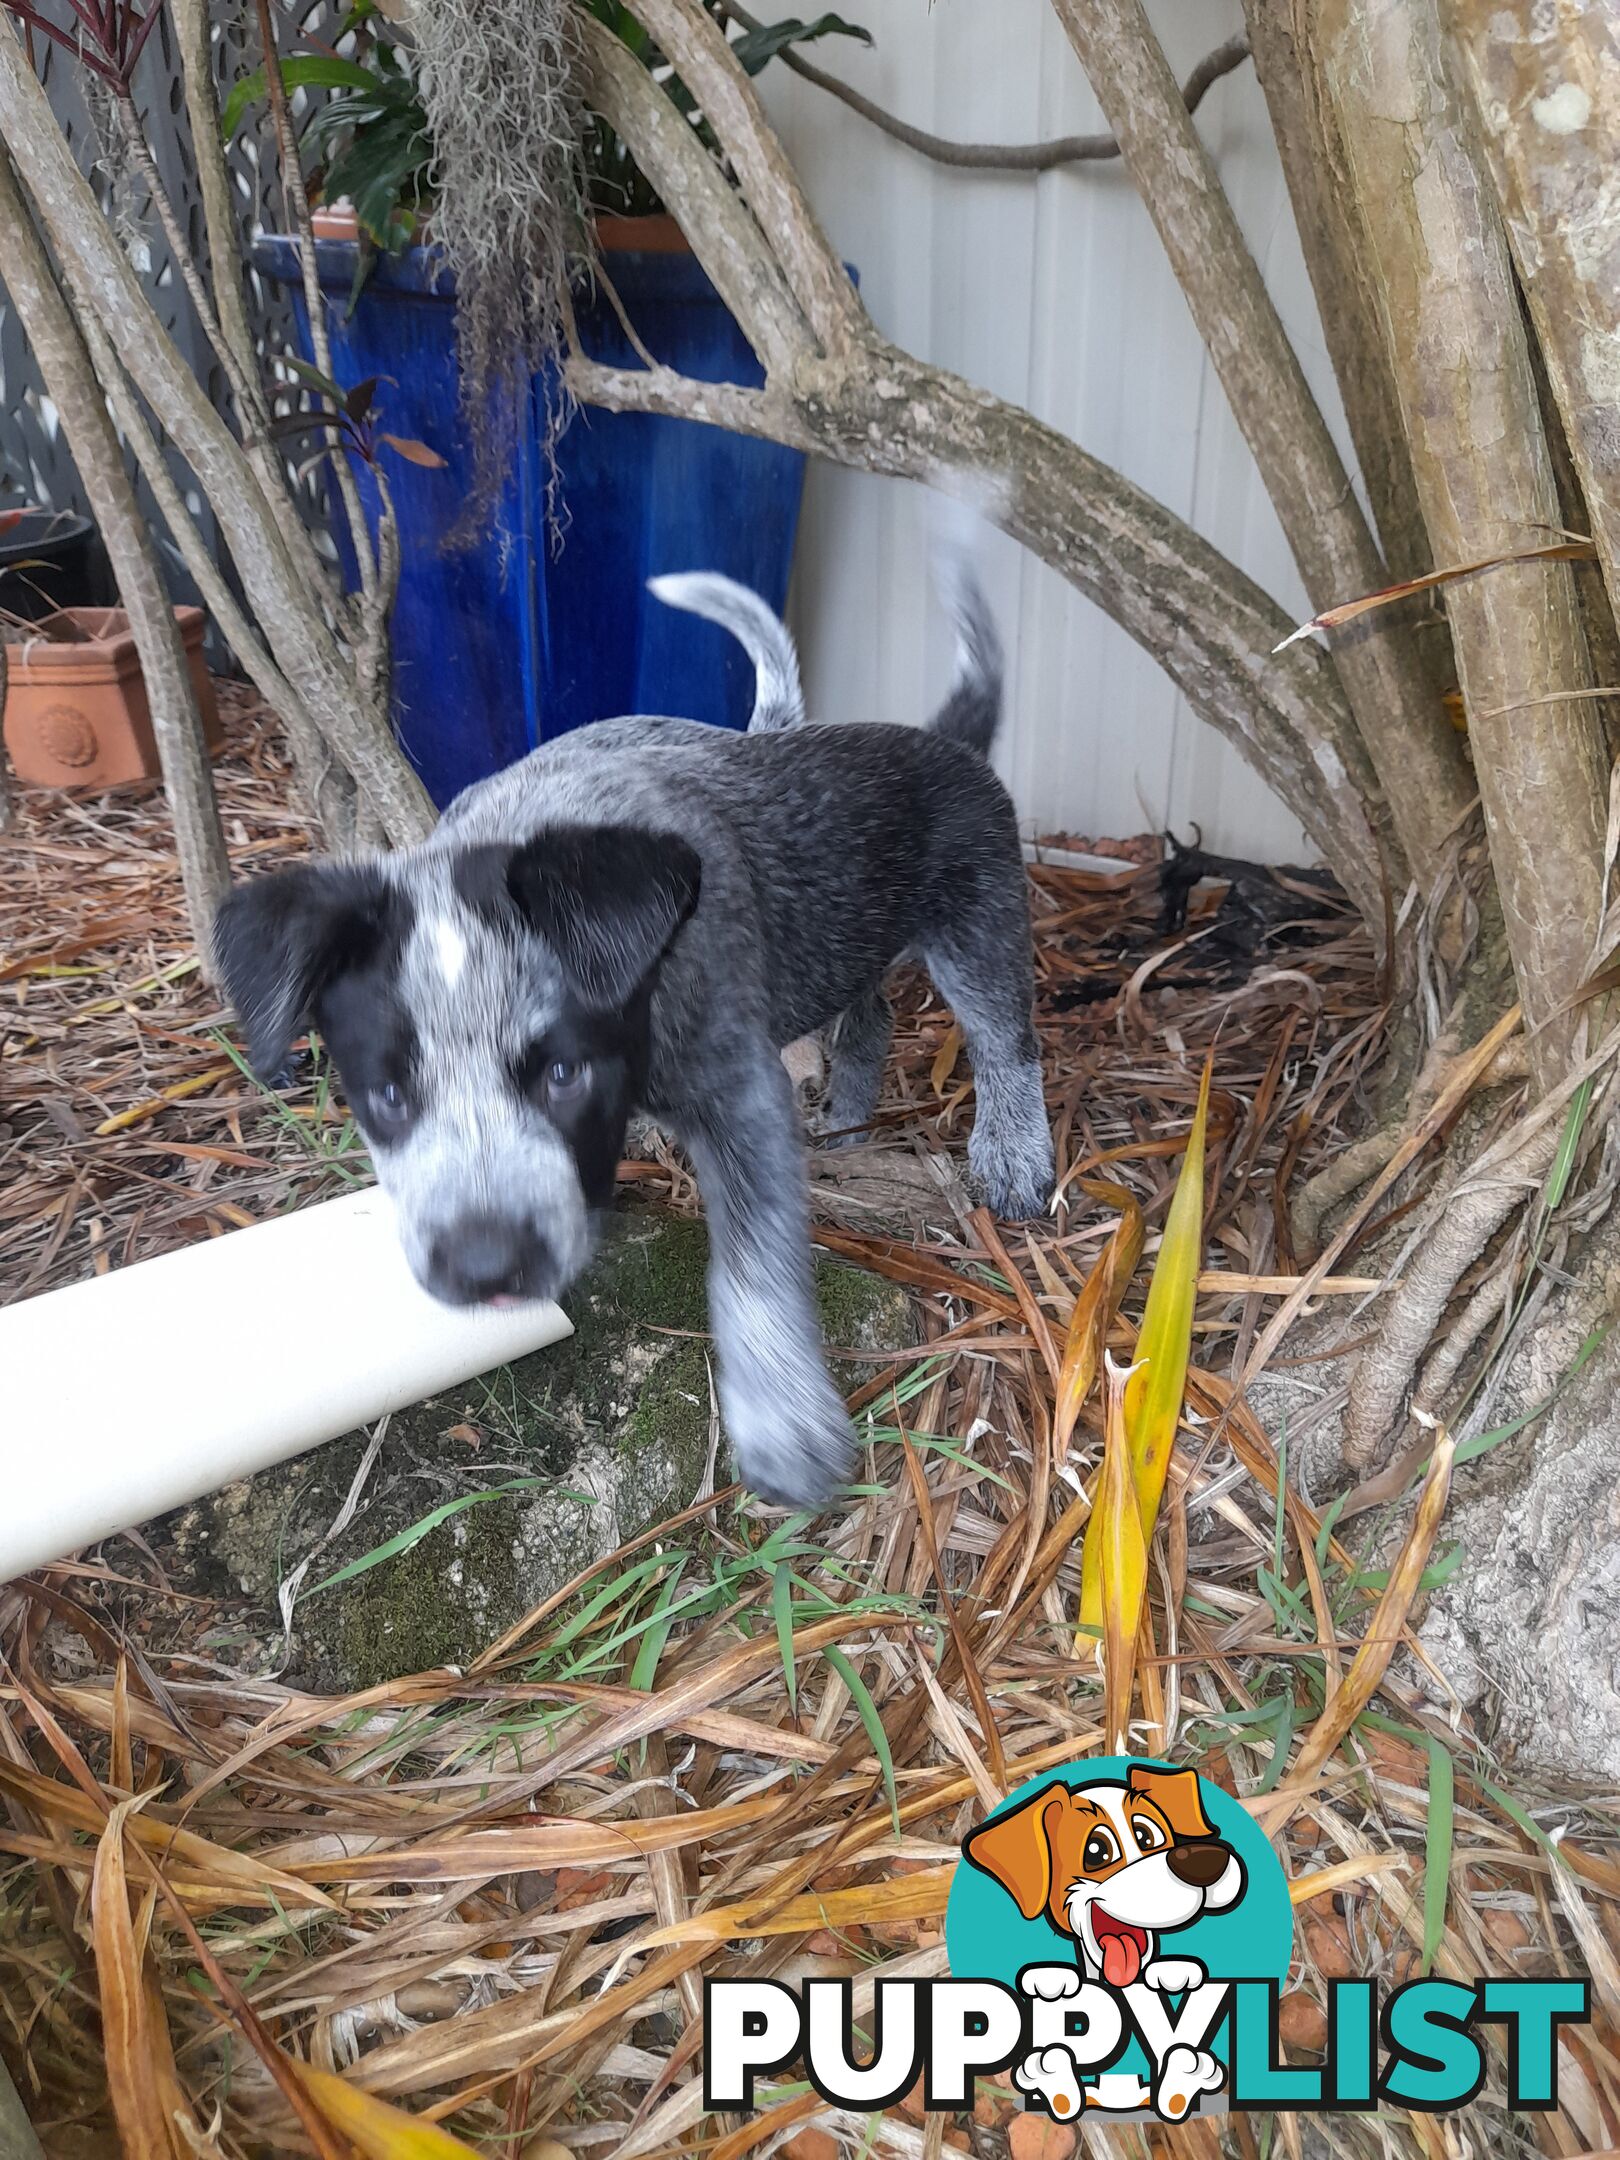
[793, 1450]
[1173, 1976]
[806, 1065]
[1183, 2075]
[1013, 1180]
[1050, 1983]
[1051, 2074]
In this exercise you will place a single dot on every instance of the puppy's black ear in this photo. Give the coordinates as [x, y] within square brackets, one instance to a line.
[282, 939]
[608, 899]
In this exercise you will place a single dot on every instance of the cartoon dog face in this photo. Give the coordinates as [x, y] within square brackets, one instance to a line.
[1112, 1865]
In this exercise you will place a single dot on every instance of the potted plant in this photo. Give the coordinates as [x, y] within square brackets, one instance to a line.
[76, 712]
[46, 560]
[542, 622]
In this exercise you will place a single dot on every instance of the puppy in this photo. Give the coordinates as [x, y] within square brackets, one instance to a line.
[1114, 1866]
[642, 913]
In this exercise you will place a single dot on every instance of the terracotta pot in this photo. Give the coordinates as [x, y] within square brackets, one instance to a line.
[335, 221]
[655, 235]
[76, 712]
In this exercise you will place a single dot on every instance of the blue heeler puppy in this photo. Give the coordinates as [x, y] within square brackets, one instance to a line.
[642, 914]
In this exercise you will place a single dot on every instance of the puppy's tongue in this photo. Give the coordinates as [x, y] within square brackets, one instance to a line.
[1122, 1960]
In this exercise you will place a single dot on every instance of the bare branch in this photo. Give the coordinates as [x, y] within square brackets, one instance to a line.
[104, 287]
[668, 151]
[70, 379]
[877, 409]
[1036, 157]
[1413, 746]
[225, 280]
[696, 48]
[303, 235]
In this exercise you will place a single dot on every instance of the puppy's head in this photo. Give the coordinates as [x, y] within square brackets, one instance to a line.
[488, 1011]
[1113, 1865]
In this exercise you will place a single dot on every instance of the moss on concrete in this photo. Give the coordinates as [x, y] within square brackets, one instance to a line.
[604, 1434]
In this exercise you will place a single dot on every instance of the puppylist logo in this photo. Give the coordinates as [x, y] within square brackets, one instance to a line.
[1119, 1934]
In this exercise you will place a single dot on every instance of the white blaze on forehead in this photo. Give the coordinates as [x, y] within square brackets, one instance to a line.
[449, 948]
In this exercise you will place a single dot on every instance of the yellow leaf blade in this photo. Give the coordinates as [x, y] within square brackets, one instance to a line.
[1153, 1397]
[376, 2127]
[1122, 1553]
[1094, 1308]
[1158, 1381]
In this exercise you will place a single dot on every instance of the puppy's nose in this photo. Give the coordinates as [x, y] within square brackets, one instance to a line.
[485, 1256]
[1198, 1865]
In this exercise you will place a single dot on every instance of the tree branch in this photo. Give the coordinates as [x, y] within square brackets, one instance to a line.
[1036, 157]
[1413, 746]
[303, 236]
[105, 288]
[1451, 319]
[1556, 190]
[745, 272]
[188, 782]
[875, 408]
[225, 280]
[696, 48]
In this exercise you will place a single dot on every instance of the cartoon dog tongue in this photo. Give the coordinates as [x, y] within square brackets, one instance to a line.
[1121, 1951]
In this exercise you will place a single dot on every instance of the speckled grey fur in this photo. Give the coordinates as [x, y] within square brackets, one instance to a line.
[826, 852]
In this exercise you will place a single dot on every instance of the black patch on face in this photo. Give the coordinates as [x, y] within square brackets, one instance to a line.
[607, 899]
[287, 943]
[614, 1046]
[369, 1035]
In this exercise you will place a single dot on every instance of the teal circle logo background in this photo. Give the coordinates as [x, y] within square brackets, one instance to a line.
[988, 1938]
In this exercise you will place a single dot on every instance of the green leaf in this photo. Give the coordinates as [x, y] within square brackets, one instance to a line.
[300, 71]
[1563, 1167]
[407, 1540]
[756, 48]
[316, 380]
[782, 1612]
[645, 1669]
[599, 1600]
[860, 1696]
[1437, 1848]
[1531, 1828]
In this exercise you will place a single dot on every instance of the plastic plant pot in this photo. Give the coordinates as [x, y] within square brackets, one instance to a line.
[49, 559]
[545, 623]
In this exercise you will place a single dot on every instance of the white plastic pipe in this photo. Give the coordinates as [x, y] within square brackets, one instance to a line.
[143, 1389]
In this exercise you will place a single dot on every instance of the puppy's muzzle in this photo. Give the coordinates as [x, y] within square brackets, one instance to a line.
[485, 1258]
[1200, 1865]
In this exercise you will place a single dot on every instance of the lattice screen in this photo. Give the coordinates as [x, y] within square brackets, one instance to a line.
[34, 458]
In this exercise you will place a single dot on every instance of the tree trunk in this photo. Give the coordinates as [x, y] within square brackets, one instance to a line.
[1546, 85]
[1454, 329]
[1332, 249]
[852, 397]
[176, 725]
[1414, 749]
[104, 287]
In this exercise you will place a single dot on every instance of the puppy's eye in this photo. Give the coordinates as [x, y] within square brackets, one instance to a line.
[566, 1079]
[390, 1107]
[1149, 1836]
[1100, 1850]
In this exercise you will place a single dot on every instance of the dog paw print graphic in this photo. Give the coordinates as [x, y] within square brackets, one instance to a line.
[1121, 1899]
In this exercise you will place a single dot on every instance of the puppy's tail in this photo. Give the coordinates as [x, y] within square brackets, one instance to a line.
[778, 695]
[972, 708]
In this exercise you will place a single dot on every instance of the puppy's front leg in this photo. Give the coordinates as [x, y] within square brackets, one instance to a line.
[790, 1432]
